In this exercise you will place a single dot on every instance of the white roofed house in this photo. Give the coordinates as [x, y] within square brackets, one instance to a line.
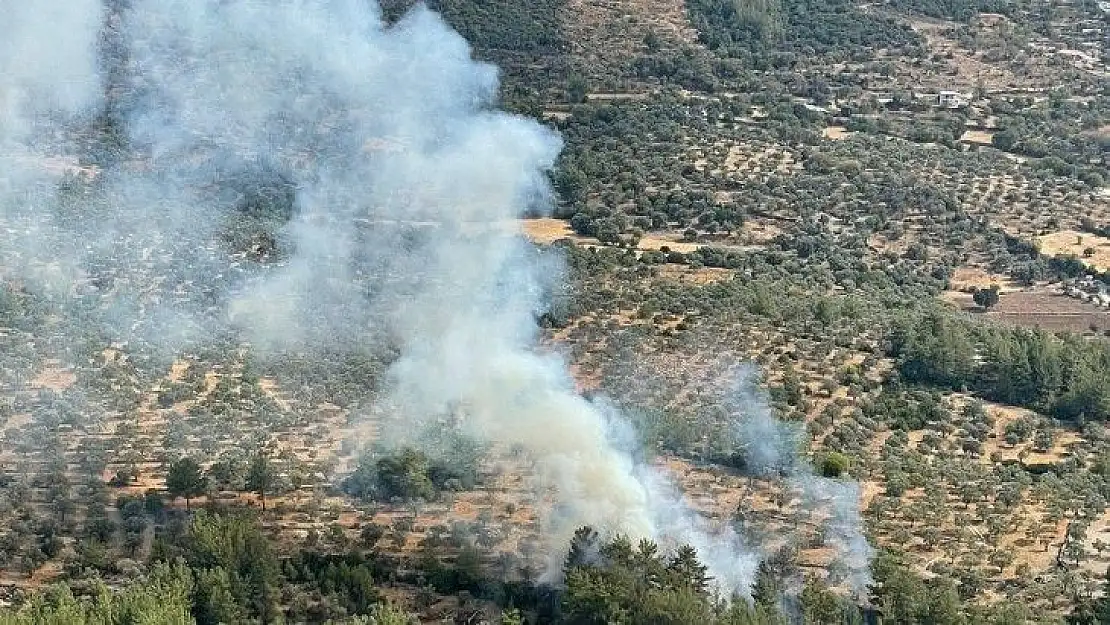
[952, 99]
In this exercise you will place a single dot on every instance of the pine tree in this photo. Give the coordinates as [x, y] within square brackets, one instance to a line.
[766, 589]
[583, 548]
[260, 477]
[688, 571]
[184, 479]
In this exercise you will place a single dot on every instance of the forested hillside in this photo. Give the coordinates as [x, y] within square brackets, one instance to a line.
[833, 275]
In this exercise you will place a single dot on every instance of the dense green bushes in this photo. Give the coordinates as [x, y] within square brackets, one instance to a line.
[220, 570]
[760, 29]
[510, 25]
[959, 10]
[622, 583]
[410, 473]
[1061, 133]
[213, 581]
[1065, 376]
[163, 598]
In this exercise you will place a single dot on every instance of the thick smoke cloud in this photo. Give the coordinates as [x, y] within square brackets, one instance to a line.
[404, 183]
[409, 171]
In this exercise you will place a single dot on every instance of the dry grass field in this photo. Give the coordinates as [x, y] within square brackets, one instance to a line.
[1093, 250]
[980, 137]
[548, 230]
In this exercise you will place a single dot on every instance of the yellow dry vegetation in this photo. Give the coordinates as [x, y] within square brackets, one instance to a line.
[672, 244]
[1079, 244]
[546, 230]
[965, 278]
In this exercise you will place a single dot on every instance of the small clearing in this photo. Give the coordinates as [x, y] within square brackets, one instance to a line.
[1093, 250]
[978, 137]
[54, 378]
[547, 230]
[968, 278]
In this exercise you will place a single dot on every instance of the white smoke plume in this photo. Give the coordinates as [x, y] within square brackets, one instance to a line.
[403, 166]
[407, 185]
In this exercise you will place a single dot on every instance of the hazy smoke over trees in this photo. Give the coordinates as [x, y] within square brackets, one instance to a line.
[774, 446]
[396, 227]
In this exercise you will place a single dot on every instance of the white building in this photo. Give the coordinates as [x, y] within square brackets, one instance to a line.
[951, 99]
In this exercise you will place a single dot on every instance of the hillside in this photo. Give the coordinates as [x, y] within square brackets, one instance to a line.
[315, 334]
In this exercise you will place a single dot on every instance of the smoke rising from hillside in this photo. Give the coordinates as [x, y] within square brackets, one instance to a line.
[43, 72]
[407, 183]
[774, 447]
[44, 80]
[413, 150]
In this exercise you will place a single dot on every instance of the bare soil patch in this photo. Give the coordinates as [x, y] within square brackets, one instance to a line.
[1038, 307]
[54, 377]
[979, 137]
[1051, 312]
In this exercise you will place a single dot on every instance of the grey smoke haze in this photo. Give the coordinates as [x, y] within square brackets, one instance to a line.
[42, 71]
[773, 446]
[44, 80]
[407, 183]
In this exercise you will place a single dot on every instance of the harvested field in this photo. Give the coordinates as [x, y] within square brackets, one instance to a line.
[1040, 309]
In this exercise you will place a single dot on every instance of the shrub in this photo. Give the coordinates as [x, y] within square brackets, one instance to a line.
[834, 464]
